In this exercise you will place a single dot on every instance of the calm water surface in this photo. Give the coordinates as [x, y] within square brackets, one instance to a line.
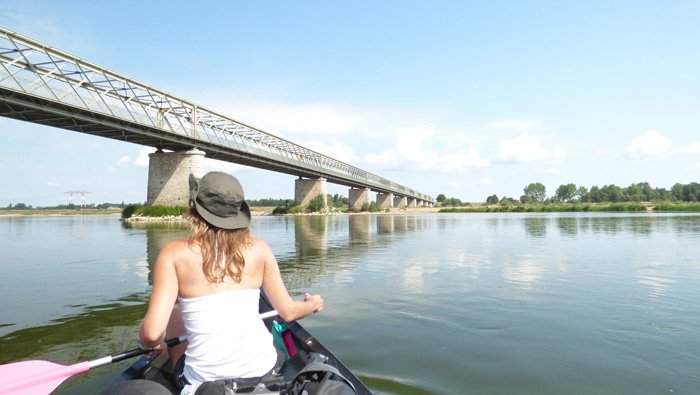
[415, 304]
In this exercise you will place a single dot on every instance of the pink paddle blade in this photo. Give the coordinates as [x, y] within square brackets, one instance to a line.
[36, 377]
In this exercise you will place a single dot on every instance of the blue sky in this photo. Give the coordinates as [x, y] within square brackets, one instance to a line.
[468, 99]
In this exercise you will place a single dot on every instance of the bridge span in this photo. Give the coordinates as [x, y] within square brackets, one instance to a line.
[44, 85]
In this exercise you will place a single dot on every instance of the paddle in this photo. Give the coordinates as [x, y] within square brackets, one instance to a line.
[42, 377]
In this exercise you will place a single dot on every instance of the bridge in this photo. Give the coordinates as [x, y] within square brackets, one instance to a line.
[44, 85]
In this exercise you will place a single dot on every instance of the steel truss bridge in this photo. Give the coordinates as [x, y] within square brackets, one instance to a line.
[44, 85]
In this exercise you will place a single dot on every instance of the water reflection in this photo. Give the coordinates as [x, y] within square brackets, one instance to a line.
[571, 225]
[568, 226]
[359, 227]
[536, 226]
[658, 277]
[330, 246]
[95, 325]
[311, 235]
[158, 234]
[526, 272]
[385, 224]
[522, 276]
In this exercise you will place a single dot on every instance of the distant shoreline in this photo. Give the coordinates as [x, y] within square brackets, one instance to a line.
[265, 211]
[255, 211]
[57, 212]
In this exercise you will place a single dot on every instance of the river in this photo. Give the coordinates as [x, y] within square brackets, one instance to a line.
[503, 303]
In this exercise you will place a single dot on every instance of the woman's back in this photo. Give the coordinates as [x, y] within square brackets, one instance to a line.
[192, 281]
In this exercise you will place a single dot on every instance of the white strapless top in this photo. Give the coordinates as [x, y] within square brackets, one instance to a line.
[227, 338]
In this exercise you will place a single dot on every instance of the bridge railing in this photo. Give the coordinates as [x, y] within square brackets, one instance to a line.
[32, 68]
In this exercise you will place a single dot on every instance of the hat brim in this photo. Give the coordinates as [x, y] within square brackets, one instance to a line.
[238, 221]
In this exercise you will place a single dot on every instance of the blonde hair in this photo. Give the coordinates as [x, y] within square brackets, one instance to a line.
[222, 249]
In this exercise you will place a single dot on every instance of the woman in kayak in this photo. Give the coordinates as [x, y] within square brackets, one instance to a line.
[216, 276]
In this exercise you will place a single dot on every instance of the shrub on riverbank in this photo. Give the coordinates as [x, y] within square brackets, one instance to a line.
[684, 207]
[619, 207]
[317, 205]
[310, 209]
[292, 208]
[152, 211]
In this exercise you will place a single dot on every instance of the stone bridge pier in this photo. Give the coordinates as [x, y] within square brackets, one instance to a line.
[385, 200]
[306, 189]
[400, 201]
[168, 176]
[357, 197]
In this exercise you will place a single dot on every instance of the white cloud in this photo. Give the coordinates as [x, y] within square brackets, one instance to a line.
[485, 181]
[52, 184]
[455, 185]
[690, 149]
[296, 120]
[651, 143]
[409, 151]
[142, 158]
[226, 167]
[336, 150]
[526, 148]
[417, 158]
[513, 125]
[373, 130]
[389, 158]
[460, 161]
[293, 119]
[123, 161]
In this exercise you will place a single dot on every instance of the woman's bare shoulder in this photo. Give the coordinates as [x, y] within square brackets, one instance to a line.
[259, 246]
[254, 240]
[177, 247]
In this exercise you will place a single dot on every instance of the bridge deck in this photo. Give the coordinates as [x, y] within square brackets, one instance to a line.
[43, 85]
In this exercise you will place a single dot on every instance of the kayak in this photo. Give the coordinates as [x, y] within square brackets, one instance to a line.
[158, 369]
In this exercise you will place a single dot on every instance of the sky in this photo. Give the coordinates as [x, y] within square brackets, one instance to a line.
[463, 98]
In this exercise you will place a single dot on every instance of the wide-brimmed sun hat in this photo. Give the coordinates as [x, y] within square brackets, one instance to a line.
[218, 198]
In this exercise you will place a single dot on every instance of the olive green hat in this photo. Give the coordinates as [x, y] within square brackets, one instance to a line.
[218, 198]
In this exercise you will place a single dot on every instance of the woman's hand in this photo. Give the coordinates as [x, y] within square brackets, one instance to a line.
[316, 300]
[153, 350]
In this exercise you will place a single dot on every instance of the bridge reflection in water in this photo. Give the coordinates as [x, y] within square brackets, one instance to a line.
[323, 240]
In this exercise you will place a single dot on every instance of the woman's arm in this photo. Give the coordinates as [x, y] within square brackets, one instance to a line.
[163, 295]
[273, 285]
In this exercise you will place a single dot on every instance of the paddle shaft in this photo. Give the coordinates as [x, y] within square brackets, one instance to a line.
[133, 353]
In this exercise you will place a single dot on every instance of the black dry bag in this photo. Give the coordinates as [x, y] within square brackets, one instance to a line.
[319, 378]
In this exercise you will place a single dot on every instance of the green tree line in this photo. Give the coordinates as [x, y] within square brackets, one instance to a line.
[637, 192]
